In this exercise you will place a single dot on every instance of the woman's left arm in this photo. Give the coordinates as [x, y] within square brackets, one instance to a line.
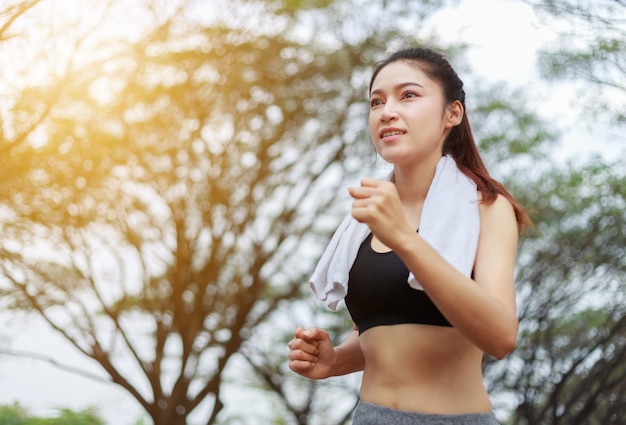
[483, 309]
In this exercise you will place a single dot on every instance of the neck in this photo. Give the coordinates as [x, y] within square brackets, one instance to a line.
[413, 182]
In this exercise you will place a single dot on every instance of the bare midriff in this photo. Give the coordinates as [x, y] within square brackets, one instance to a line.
[422, 368]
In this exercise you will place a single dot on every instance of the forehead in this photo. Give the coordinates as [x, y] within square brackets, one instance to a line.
[400, 72]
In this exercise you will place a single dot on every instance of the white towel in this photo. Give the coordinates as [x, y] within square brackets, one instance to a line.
[450, 223]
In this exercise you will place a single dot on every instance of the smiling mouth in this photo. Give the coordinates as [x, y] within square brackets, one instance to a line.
[391, 133]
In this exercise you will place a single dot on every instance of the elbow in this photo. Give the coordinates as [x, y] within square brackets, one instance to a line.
[503, 350]
[505, 344]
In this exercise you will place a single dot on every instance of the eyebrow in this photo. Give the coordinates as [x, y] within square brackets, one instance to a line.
[398, 87]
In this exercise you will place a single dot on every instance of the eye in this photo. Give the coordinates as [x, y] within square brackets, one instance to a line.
[375, 102]
[409, 95]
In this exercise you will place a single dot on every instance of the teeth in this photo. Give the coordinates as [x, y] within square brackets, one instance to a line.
[391, 133]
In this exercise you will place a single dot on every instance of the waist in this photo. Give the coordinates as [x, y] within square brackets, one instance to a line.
[419, 397]
[422, 368]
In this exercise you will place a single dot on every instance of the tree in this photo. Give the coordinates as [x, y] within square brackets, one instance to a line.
[15, 35]
[153, 202]
[162, 210]
[568, 368]
[591, 49]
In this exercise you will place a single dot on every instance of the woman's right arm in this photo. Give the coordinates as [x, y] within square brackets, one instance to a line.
[312, 355]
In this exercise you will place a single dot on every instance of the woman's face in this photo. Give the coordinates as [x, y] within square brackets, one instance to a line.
[409, 119]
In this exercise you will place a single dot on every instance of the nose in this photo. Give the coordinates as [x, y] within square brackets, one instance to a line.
[389, 111]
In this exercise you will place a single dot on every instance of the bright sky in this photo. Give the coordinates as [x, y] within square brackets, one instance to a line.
[505, 35]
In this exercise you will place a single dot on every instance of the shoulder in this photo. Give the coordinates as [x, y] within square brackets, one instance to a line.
[499, 206]
[498, 217]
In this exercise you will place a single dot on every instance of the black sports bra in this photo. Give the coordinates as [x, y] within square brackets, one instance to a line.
[378, 292]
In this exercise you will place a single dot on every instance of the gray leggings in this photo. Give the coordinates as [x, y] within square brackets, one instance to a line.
[372, 414]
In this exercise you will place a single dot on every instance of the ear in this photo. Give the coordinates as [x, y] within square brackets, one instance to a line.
[454, 114]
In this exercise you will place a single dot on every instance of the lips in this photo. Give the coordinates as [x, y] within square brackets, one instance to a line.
[389, 132]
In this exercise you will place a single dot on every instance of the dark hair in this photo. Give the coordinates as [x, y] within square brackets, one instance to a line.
[460, 142]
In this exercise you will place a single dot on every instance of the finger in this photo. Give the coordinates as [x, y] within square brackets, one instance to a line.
[362, 192]
[314, 335]
[360, 203]
[300, 366]
[369, 206]
[302, 345]
[371, 182]
[292, 344]
[371, 187]
[361, 216]
[367, 183]
[302, 334]
[299, 355]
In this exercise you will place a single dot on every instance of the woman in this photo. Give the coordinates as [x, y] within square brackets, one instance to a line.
[429, 282]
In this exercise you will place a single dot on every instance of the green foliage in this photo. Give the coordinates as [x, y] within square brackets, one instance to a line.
[592, 50]
[169, 182]
[16, 415]
[164, 200]
[508, 130]
[12, 414]
[579, 376]
[568, 366]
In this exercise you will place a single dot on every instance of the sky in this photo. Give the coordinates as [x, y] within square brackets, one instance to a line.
[504, 34]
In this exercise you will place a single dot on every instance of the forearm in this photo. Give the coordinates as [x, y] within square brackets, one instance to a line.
[348, 356]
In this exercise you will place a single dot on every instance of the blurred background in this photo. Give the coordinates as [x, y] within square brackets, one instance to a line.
[170, 171]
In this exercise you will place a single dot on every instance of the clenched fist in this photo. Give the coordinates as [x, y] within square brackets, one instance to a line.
[311, 353]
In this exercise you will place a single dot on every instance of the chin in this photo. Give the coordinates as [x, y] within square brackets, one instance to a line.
[392, 155]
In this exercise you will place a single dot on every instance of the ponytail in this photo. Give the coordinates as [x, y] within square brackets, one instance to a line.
[461, 146]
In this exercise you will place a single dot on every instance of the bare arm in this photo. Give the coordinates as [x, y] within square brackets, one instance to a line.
[312, 355]
[483, 309]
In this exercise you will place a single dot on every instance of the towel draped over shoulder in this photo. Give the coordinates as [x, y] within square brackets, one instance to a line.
[450, 223]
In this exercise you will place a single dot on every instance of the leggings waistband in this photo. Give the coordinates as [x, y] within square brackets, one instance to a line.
[372, 414]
